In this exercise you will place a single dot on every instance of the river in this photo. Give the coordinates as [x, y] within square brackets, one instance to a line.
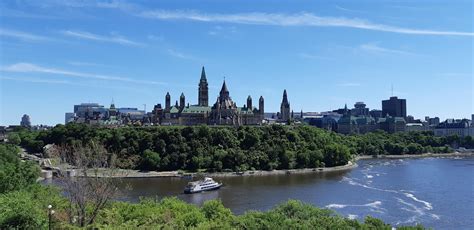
[436, 192]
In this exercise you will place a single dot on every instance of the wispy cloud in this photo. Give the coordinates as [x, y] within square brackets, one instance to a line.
[32, 68]
[78, 63]
[34, 80]
[63, 82]
[348, 10]
[155, 37]
[222, 30]
[378, 49]
[20, 14]
[300, 19]
[95, 37]
[22, 35]
[181, 55]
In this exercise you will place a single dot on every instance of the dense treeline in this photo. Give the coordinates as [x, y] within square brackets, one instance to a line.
[25, 206]
[243, 148]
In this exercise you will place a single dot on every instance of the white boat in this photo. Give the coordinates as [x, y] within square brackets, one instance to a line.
[203, 185]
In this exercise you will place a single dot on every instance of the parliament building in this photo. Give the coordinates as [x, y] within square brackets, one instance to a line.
[223, 112]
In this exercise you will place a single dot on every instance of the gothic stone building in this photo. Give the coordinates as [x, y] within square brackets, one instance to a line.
[223, 112]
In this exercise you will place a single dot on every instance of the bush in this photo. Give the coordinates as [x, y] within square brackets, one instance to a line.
[28, 209]
[150, 160]
[15, 174]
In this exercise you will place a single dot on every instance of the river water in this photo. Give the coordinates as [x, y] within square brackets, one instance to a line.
[436, 192]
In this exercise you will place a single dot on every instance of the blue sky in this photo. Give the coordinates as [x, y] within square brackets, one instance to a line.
[57, 53]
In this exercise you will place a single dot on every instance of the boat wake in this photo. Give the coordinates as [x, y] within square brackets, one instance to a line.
[375, 204]
[406, 199]
[428, 205]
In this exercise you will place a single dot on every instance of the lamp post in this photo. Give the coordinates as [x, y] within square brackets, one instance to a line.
[50, 215]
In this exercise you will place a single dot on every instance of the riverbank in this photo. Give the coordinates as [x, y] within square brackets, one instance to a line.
[424, 155]
[126, 173]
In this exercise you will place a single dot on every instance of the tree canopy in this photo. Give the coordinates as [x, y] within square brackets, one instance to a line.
[217, 148]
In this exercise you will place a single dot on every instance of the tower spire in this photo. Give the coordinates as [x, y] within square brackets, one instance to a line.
[285, 97]
[203, 74]
[203, 91]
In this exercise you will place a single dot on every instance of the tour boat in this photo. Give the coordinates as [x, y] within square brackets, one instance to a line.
[203, 185]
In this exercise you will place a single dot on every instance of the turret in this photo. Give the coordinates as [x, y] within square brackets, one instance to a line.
[168, 101]
[285, 108]
[182, 101]
[249, 103]
[224, 94]
[261, 105]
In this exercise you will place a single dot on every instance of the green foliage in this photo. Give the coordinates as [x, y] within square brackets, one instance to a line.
[171, 213]
[14, 139]
[215, 210]
[150, 160]
[237, 149]
[15, 174]
[27, 209]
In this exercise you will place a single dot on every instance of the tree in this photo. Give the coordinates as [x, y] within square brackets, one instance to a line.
[150, 160]
[14, 139]
[89, 193]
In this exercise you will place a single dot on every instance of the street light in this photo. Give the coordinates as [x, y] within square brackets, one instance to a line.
[50, 215]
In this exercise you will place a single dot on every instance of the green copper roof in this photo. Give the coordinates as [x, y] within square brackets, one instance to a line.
[174, 109]
[196, 109]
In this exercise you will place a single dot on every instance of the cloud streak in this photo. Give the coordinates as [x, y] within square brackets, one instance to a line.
[312, 56]
[22, 35]
[95, 37]
[300, 19]
[181, 55]
[62, 82]
[32, 68]
[33, 80]
[377, 49]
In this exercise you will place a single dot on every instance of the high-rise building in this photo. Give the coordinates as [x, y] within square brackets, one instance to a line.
[394, 107]
[203, 97]
[375, 113]
[360, 109]
[69, 117]
[90, 111]
[25, 121]
[285, 108]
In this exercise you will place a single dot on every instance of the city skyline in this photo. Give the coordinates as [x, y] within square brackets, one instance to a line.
[54, 55]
